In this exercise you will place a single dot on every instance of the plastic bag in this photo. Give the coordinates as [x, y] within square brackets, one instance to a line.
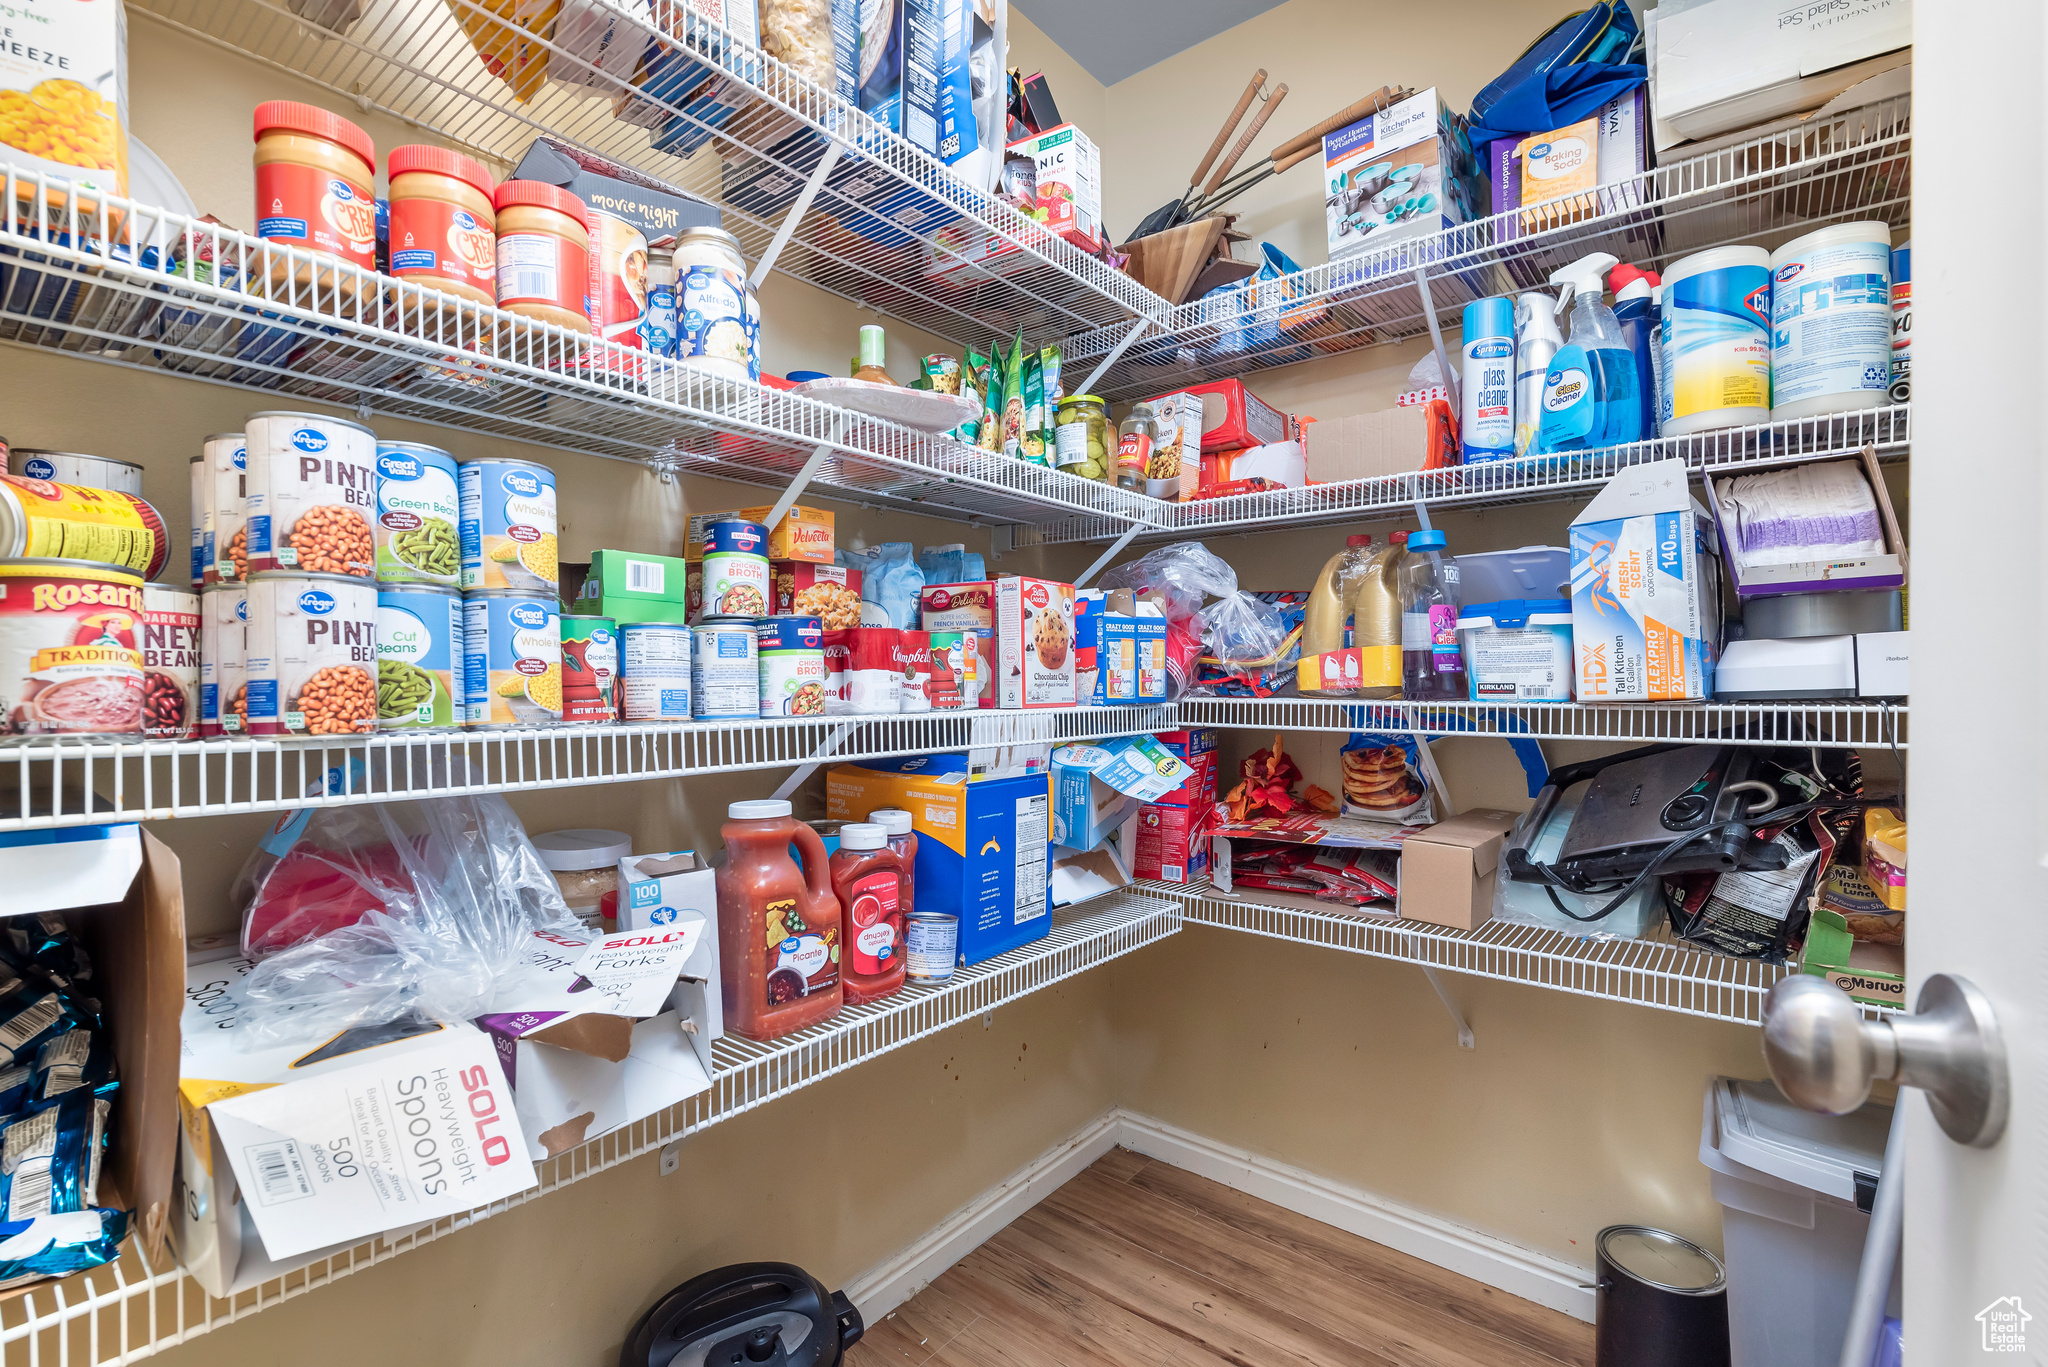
[1183, 575]
[798, 33]
[890, 579]
[361, 915]
[1242, 630]
[1253, 676]
[953, 564]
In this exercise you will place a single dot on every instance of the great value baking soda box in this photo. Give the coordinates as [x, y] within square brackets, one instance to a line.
[1034, 635]
[1646, 590]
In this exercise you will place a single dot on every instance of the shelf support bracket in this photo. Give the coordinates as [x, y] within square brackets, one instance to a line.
[795, 215]
[1116, 549]
[1466, 1040]
[1088, 385]
[802, 772]
[807, 473]
[1436, 337]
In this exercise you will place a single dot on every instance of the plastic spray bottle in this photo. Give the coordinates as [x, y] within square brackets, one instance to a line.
[1487, 381]
[1591, 396]
[1635, 308]
[1536, 342]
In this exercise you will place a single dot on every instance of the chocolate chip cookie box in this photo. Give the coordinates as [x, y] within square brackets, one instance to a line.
[1034, 636]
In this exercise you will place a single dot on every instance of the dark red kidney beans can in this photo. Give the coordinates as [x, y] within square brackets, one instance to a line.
[170, 662]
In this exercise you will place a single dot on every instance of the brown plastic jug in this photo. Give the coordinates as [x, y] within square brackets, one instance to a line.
[779, 935]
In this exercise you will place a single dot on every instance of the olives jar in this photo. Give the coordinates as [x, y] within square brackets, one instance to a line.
[1082, 445]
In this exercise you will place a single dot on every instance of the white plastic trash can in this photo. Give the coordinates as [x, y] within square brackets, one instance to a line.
[1795, 1191]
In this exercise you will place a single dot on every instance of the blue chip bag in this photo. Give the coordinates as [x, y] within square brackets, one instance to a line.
[15, 1085]
[59, 1245]
[50, 1158]
[31, 1011]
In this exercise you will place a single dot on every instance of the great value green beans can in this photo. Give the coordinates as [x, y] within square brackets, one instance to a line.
[420, 682]
[417, 515]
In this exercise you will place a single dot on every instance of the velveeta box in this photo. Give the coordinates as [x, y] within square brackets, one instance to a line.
[1034, 634]
[803, 533]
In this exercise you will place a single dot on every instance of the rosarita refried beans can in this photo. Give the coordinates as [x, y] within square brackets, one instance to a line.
[312, 654]
[312, 484]
[70, 649]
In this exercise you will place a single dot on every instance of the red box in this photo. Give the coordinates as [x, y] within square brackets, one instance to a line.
[828, 592]
[1233, 416]
[1173, 844]
[1195, 747]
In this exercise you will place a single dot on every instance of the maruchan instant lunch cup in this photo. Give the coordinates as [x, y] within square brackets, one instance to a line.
[543, 254]
[170, 662]
[314, 185]
[417, 514]
[226, 457]
[70, 649]
[70, 522]
[507, 525]
[312, 654]
[444, 225]
[312, 492]
[224, 660]
[512, 659]
[422, 668]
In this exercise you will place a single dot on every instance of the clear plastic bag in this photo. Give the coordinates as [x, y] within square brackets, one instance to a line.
[359, 915]
[890, 579]
[1242, 631]
[1183, 575]
[798, 33]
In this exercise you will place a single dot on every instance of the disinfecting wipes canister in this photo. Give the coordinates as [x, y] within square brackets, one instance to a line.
[1831, 310]
[1716, 341]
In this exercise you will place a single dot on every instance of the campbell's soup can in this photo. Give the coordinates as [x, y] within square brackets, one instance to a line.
[512, 659]
[224, 660]
[312, 492]
[422, 665]
[226, 457]
[657, 671]
[736, 582]
[312, 654]
[417, 515]
[202, 522]
[590, 669]
[792, 655]
[41, 519]
[70, 649]
[170, 662]
[73, 467]
[725, 672]
[508, 526]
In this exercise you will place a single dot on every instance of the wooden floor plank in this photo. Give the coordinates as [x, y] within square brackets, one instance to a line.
[889, 1343]
[1120, 1165]
[1460, 1299]
[1313, 1292]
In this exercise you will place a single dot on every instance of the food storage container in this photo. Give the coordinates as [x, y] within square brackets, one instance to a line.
[1518, 650]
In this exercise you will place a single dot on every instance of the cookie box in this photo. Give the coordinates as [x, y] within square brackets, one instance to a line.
[1034, 636]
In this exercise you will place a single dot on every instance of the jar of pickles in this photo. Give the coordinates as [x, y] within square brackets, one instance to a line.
[1082, 437]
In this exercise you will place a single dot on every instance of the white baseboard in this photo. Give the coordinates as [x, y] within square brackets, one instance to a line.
[1497, 1263]
[895, 1280]
[1482, 1257]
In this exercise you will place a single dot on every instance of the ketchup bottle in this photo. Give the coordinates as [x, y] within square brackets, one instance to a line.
[868, 877]
[779, 927]
[903, 840]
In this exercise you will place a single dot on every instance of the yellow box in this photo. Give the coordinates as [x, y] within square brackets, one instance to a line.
[1564, 162]
[803, 534]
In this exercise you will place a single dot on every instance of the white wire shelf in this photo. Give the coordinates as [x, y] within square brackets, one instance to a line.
[1658, 972]
[1829, 725]
[134, 285]
[1853, 165]
[868, 236]
[130, 1309]
[72, 783]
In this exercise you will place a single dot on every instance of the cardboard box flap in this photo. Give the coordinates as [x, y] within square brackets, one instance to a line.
[1660, 486]
[1480, 831]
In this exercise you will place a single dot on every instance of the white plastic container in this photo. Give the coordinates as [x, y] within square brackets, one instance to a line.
[1792, 1223]
[1526, 572]
[1716, 341]
[1831, 312]
[1518, 650]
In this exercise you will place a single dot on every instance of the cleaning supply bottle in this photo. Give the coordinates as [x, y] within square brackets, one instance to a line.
[1432, 665]
[1591, 396]
[1487, 381]
[1636, 310]
[1324, 669]
[1536, 342]
[1375, 606]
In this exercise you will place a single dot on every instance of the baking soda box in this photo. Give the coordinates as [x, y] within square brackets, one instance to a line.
[1646, 590]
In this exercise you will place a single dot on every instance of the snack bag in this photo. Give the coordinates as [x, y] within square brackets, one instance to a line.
[1052, 391]
[990, 437]
[1386, 780]
[1032, 437]
[1014, 400]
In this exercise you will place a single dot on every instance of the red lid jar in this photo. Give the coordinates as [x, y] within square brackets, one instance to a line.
[444, 223]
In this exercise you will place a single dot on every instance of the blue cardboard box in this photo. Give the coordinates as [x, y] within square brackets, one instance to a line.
[984, 850]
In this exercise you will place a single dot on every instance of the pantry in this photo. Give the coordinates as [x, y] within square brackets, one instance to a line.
[851, 693]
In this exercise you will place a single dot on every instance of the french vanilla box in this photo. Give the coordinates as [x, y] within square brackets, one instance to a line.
[970, 610]
[1034, 636]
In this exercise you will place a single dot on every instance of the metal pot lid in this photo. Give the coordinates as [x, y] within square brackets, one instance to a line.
[1662, 1260]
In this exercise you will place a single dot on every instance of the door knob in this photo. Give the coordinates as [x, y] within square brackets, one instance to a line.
[1824, 1054]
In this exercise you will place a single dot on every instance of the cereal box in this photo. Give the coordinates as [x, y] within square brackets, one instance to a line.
[830, 593]
[1034, 634]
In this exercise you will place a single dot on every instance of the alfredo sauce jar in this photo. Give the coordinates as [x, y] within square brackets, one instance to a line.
[718, 318]
[736, 582]
[312, 654]
[70, 649]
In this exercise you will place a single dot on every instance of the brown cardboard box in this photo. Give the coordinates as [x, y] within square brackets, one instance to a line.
[1363, 445]
[1448, 871]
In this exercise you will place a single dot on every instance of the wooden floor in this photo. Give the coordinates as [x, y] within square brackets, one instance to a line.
[1137, 1262]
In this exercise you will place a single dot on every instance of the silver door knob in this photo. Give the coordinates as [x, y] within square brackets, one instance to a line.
[1824, 1054]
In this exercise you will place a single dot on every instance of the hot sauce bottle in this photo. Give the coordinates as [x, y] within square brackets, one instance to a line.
[779, 925]
[867, 877]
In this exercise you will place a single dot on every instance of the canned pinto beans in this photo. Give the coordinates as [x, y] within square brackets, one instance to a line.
[590, 669]
[70, 649]
[202, 522]
[792, 652]
[512, 659]
[312, 654]
[227, 490]
[170, 662]
[508, 526]
[224, 660]
[312, 490]
[70, 467]
[421, 680]
[417, 512]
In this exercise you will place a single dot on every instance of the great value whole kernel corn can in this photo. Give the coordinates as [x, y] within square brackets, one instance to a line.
[312, 654]
[417, 515]
[512, 659]
[422, 670]
[508, 525]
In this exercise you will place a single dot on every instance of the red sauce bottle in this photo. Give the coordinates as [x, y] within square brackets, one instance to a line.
[903, 840]
[868, 877]
[779, 927]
